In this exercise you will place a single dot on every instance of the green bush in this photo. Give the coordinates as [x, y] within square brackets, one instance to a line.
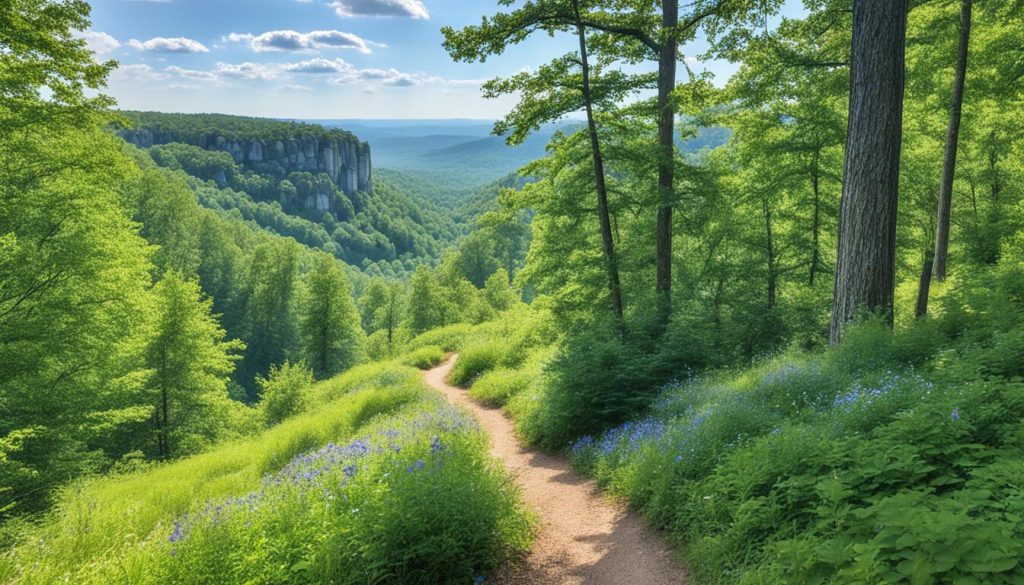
[424, 358]
[448, 338]
[497, 386]
[282, 393]
[500, 385]
[475, 360]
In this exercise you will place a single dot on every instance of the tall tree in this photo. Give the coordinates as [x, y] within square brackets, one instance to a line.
[332, 337]
[634, 31]
[569, 84]
[270, 310]
[73, 270]
[941, 254]
[866, 259]
[190, 361]
[426, 302]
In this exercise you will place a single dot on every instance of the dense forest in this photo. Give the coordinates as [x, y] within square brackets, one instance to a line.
[780, 315]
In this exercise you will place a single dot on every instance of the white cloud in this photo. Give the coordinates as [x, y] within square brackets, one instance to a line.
[250, 71]
[100, 42]
[191, 73]
[320, 66]
[402, 8]
[169, 45]
[396, 78]
[137, 72]
[290, 40]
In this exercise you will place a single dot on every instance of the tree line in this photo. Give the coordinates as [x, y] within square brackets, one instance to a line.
[842, 163]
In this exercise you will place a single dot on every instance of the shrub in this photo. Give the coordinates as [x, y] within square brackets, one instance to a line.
[498, 386]
[282, 392]
[425, 357]
[475, 360]
[448, 338]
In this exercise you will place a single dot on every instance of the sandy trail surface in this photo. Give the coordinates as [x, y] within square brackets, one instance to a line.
[583, 537]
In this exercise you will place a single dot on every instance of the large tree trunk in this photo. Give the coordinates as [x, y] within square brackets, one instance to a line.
[666, 158]
[611, 262]
[952, 142]
[866, 266]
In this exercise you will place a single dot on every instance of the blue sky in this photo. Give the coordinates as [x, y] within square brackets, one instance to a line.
[305, 58]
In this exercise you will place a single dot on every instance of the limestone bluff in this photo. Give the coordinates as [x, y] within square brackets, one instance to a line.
[275, 148]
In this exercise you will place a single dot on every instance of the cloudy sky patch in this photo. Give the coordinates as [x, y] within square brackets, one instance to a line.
[169, 45]
[385, 8]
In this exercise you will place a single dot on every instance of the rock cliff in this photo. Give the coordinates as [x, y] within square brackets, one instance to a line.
[338, 154]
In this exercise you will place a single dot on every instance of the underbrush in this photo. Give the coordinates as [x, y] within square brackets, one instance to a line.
[897, 458]
[386, 484]
[498, 386]
[425, 357]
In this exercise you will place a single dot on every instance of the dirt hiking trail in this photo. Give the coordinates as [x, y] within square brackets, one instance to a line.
[583, 538]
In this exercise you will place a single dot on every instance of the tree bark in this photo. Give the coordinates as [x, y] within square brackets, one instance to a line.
[770, 253]
[924, 284]
[666, 158]
[611, 262]
[866, 260]
[952, 142]
[816, 219]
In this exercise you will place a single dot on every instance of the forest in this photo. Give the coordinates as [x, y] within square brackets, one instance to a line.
[778, 318]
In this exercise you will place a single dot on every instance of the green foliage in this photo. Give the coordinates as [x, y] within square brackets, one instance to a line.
[190, 363]
[427, 507]
[332, 337]
[883, 461]
[449, 338]
[475, 359]
[424, 358]
[283, 392]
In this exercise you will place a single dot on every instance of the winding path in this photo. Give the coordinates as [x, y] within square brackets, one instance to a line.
[584, 538]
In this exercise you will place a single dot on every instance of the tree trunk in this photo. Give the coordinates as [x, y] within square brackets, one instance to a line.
[816, 219]
[666, 158]
[866, 259]
[611, 262]
[952, 141]
[770, 253]
[924, 284]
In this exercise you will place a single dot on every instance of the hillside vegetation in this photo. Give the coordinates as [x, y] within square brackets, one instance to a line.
[375, 479]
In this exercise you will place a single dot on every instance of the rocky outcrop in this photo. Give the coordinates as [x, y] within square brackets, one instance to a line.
[338, 154]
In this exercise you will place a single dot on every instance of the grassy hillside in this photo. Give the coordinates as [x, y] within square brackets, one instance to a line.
[378, 480]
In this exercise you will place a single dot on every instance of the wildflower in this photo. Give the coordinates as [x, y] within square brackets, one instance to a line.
[480, 579]
[955, 415]
[177, 534]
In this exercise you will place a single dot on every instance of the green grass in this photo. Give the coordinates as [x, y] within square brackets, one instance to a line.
[403, 492]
